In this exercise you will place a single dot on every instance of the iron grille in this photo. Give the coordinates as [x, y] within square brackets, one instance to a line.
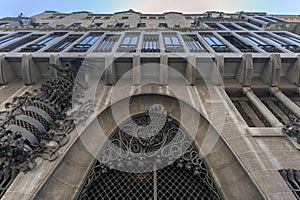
[245, 48]
[108, 43]
[172, 43]
[292, 179]
[246, 26]
[20, 43]
[85, 44]
[42, 43]
[193, 43]
[230, 26]
[63, 44]
[215, 43]
[155, 160]
[150, 43]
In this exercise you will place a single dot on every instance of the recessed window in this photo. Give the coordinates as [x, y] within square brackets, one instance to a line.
[119, 25]
[172, 43]
[163, 25]
[125, 17]
[86, 43]
[42, 43]
[152, 17]
[63, 44]
[143, 17]
[215, 43]
[193, 43]
[141, 24]
[108, 43]
[161, 17]
[20, 43]
[150, 43]
[129, 42]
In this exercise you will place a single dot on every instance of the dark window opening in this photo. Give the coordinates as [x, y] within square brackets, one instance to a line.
[215, 43]
[261, 44]
[290, 47]
[85, 44]
[289, 37]
[275, 19]
[246, 26]
[163, 25]
[150, 43]
[214, 26]
[108, 43]
[119, 25]
[42, 43]
[193, 43]
[63, 44]
[12, 38]
[230, 26]
[255, 23]
[263, 19]
[20, 43]
[141, 24]
[125, 17]
[243, 47]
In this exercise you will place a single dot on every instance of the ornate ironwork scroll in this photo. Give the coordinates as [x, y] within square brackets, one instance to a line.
[292, 128]
[292, 178]
[143, 159]
[35, 125]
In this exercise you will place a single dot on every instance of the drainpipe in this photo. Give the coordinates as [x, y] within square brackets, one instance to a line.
[262, 108]
[285, 100]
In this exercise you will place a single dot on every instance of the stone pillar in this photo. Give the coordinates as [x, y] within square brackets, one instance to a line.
[137, 74]
[190, 70]
[245, 70]
[286, 101]
[217, 71]
[271, 73]
[110, 70]
[261, 107]
[54, 59]
[7, 74]
[163, 78]
[30, 72]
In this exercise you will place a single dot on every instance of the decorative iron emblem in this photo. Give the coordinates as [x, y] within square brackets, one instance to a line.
[292, 129]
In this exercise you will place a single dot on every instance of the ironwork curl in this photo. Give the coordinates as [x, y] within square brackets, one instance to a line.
[292, 128]
[36, 125]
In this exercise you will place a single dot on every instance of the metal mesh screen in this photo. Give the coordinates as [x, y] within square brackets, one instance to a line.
[145, 163]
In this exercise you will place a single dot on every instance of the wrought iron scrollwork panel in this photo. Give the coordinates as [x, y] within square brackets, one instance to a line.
[152, 156]
[35, 125]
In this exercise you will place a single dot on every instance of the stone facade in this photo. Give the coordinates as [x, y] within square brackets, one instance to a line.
[242, 80]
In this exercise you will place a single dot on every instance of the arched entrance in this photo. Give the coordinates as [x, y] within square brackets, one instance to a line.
[149, 157]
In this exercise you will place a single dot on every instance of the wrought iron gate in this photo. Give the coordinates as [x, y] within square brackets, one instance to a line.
[149, 157]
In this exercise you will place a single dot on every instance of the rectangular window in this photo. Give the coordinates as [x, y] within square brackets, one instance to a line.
[150, 43]
[263, 19]
[163, 25]
[246, 26]
[42, 43]
[141, 24]
[230, 26]
[259, 43]
[215, 43]
[255, 23]
[214, 26]
[290, 47]
[243, 47]
[74, 25]
[193, 43]
[12, 38]
[108, 43]
[172, 43]
[63, 44]
[129, 43]
[276, 19]
[289, 37]
[20, 43]
[119, 25]
[85, 44]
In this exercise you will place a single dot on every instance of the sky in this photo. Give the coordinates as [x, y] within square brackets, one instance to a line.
[32, 7]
